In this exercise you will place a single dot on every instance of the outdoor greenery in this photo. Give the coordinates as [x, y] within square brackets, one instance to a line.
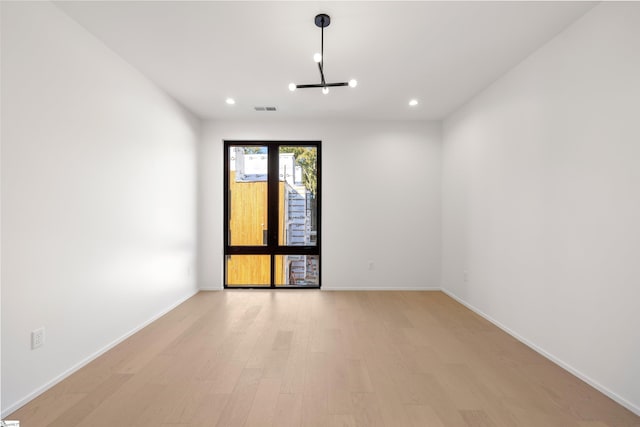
[307, 159]
[255, 150]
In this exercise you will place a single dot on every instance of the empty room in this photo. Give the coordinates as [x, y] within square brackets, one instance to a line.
[310, 213]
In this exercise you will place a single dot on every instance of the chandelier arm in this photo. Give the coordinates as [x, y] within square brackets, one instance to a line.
[321, 85]
[321, 72]
[309, 85]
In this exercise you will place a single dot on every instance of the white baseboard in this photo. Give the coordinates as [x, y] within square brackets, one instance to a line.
[354, 288]
[380, 288]
[604, 390]
[17, 405]
[207, 288]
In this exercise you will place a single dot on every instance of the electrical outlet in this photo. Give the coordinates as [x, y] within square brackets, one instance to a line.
[370, 265]
[37, 338]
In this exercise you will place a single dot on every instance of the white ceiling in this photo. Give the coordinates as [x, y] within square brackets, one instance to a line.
[441, 53]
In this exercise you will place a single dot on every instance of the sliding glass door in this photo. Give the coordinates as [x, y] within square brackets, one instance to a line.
[272, 214]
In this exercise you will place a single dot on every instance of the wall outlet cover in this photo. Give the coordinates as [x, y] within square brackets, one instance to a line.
[37, 338]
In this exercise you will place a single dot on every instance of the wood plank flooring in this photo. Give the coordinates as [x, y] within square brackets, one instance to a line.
[312, 358]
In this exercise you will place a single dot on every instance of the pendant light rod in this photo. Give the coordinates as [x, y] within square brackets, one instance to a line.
[321, 63]
[322, 20]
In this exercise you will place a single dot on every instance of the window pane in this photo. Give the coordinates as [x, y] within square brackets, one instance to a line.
[297, 196]
[248, 196]
[297, 270]
[248, 270]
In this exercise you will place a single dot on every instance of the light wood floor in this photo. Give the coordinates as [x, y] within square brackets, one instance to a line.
[311, 358]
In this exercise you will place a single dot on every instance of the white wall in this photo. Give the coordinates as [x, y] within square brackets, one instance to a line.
[541, 205]
[98, 198]
[380, 199]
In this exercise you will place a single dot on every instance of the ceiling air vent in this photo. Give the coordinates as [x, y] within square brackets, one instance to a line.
[265, 108]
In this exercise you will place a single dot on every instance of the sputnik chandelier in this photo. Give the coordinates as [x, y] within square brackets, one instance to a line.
[322, 20]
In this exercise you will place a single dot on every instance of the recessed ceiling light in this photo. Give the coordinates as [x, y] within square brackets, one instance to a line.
[413, 102]
[230, 101]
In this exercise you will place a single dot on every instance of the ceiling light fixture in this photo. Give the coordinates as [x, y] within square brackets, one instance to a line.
[230, 101]
[413, 102]
[322, 20]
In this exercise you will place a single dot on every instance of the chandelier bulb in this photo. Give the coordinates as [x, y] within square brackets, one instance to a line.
[317, 57]
[292, 87]
[353, 83]
[325, 90]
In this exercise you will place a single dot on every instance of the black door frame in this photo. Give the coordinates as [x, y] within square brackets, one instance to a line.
[272, 248]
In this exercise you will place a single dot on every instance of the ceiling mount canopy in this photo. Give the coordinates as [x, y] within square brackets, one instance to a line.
[322, 21]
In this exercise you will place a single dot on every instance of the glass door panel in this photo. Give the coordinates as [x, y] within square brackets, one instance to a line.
[297, 270]
[247, 206]
[245, 270]
[298, 176]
